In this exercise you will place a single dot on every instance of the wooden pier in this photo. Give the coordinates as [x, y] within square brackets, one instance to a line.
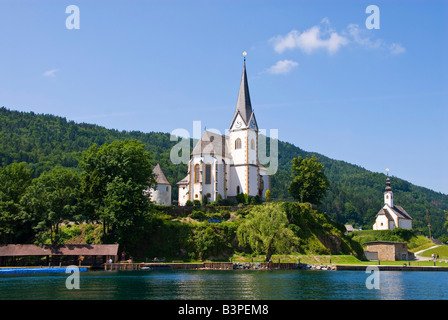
[168, 266]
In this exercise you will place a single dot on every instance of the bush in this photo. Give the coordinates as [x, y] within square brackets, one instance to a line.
[197, 203]
[189, 203]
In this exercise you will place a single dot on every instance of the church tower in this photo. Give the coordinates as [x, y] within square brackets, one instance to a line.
[388, 194]
[243, 144]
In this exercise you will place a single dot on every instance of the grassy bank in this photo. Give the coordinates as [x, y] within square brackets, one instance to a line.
[332, 259]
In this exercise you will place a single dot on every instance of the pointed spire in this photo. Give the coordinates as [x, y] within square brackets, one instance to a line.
[243, 104]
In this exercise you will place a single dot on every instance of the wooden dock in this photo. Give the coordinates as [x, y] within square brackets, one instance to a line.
[126, 266]
[168, 266]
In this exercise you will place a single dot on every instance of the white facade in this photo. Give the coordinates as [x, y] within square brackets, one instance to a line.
[161, 194]
[391, 216]
[227, 165]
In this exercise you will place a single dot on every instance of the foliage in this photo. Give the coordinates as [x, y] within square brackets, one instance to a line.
[265, 231]
[267, 195]
[50, 199]
[114, 176]
[309, 182]
[14, 180]
[354, 197]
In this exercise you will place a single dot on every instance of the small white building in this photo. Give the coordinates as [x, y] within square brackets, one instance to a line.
[162, 193]
[391, 216]
[227, 165]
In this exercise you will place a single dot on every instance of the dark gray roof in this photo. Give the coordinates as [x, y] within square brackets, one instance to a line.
[212, 143]
[397, 210]
[243, 104]
[401, 212]
[160, 176]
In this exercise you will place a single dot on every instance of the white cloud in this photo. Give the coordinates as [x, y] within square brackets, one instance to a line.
[282, 67]
[323, 37]
[50, 73]
[310, 40]
[396, 48]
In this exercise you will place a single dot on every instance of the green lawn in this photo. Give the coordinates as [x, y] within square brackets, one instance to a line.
[441, 250]
[334, 259]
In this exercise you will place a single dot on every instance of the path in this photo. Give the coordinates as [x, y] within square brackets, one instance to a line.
[418, 257]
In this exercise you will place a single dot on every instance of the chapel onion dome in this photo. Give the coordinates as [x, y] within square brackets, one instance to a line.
[388, 188]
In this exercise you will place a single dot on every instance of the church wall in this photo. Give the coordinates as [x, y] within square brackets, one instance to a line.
[405, 224]
[238, 155]
[266, 185]
[253, 181]
[381, 219]
[183, 196]
[237, 178]
[161, 195]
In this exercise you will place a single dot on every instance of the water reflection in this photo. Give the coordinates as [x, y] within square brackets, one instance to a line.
[228, 285]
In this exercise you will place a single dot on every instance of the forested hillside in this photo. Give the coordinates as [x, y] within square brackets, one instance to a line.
[355, 194]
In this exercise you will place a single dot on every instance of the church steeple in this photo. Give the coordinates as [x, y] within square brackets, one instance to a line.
[244, 116]
[388, 194]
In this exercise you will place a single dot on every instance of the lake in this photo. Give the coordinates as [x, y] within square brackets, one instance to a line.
[227, 285]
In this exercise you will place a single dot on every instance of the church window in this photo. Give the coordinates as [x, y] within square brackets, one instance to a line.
[196, 195]
[208, 173]
[209, 195]
[167, 189]
[252, 144]
[237, 189]
[238, 143]
[196, 173]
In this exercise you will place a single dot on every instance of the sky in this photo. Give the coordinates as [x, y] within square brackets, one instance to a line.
[366, 87]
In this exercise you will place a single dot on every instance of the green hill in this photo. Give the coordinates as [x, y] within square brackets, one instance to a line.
[355, 196]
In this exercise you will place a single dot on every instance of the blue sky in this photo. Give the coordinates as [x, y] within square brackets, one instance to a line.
[372, 97]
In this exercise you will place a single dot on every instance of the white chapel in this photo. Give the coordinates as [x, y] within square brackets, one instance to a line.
[391, 216]
[227, 165]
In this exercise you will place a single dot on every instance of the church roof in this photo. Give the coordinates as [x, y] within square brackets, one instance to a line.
[159, 175]
[397, 210]
[183, 181]
[212, 143]
[243, 104]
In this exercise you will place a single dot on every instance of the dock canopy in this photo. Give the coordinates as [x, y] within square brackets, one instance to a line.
[21, 250]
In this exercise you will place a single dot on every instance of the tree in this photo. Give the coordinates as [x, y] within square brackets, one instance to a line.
[309, 181]
[267, 195]
[114, 178]
[14, 180]
[265, 230]
[50, 199]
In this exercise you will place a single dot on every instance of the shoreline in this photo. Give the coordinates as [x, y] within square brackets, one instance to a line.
[270, 266]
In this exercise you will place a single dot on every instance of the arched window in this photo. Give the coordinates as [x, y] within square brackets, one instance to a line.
[238, 143]
[237, 189]
[196, 173]
[209, 195]
[252, 144]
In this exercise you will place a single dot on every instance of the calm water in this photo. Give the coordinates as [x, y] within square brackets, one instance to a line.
[228, 285]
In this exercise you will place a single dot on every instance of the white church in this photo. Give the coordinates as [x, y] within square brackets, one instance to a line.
[391, 216]
[227, 165]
